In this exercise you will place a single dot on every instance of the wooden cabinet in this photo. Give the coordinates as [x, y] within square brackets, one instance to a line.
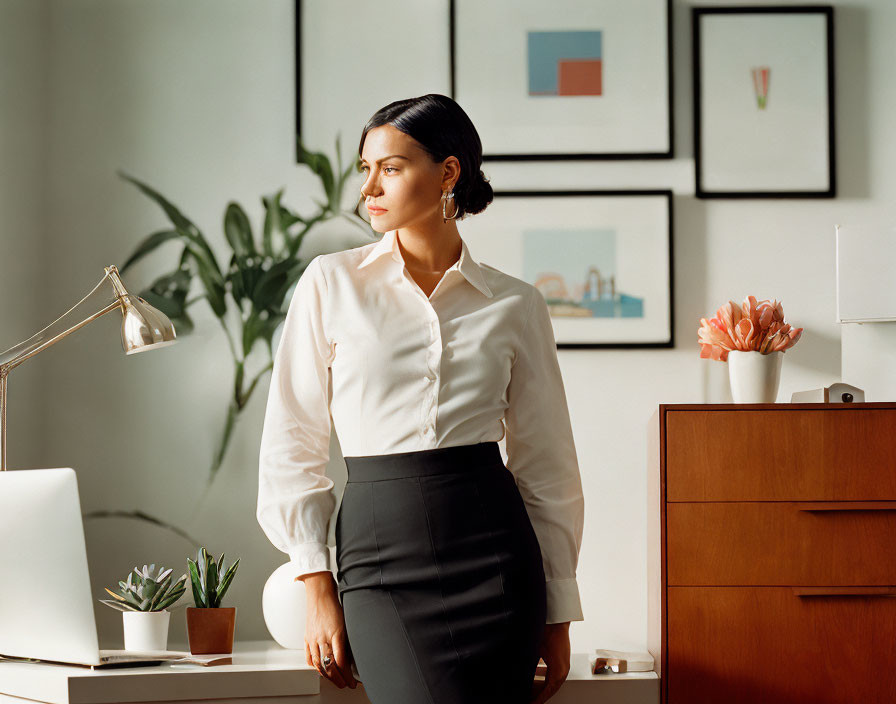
[772, 553]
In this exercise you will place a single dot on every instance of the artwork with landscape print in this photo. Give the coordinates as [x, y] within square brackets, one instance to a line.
[575, 270]
[565, 79]
[601, 259]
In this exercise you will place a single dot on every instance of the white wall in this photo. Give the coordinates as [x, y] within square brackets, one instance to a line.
[196, 98]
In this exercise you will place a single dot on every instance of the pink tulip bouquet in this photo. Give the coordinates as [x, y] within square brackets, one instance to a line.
[756, 326]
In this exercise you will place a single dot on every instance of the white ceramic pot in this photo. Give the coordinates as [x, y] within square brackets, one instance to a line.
[754, 376]
[146, 630]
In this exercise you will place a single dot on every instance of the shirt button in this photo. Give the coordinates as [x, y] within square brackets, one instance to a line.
[429, 378]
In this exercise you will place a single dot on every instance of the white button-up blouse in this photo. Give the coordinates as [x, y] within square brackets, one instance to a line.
[399, 371]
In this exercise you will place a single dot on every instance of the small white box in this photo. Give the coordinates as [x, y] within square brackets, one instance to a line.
[835, 393]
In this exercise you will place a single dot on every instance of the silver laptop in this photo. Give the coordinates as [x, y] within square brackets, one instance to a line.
[46, 608]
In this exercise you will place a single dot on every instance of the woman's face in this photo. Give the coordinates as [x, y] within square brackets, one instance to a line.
[402, 180]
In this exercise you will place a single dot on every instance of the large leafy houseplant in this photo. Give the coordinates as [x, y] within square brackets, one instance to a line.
[249, 295]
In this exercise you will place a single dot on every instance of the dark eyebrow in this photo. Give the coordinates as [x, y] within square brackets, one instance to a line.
[391, 156]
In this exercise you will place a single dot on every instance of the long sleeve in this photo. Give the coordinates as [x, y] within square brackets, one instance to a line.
[541, 455]
[295, 497]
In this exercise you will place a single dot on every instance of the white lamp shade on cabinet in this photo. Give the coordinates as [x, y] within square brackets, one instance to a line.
[866, 274]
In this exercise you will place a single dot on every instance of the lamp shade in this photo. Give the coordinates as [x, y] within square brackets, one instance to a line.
[144, 327]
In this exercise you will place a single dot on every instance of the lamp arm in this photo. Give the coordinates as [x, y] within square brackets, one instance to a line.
[6, 367]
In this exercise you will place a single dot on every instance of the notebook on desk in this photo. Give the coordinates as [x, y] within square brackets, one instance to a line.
[46, 608]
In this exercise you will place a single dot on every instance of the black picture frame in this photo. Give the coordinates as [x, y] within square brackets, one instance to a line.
[298, 73]
[529, 195]
[667, 153]
[701, 189]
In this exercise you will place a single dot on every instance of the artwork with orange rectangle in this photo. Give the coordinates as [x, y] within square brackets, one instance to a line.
[579, 77]
[566, 63]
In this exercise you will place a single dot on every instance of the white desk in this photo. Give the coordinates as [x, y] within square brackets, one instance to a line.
[262, 673]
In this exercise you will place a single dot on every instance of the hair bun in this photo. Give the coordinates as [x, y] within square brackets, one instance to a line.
[478, 195]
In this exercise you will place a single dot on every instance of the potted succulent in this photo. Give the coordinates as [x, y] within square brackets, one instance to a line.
[144, 600]
[210, 626]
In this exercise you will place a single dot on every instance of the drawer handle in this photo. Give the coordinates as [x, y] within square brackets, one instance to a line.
[844, 591]
[846, 506]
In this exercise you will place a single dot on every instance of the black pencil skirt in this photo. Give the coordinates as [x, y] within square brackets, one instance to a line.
[440, 576]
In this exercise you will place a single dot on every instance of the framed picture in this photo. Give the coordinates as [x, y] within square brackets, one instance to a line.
[565, 79]
[601, 259]
[764, 101]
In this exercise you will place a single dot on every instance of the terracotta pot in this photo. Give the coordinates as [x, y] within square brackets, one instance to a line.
[211, 630]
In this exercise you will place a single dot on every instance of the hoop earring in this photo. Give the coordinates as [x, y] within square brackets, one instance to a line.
[445, 198]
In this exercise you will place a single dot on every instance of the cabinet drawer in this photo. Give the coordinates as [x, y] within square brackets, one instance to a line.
[742, 645]
[781, 543]
[781, 455]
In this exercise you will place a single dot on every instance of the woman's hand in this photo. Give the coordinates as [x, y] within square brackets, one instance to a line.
[325, 630]
[555, 653]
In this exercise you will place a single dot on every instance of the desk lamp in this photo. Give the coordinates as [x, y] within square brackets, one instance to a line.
[142, 328]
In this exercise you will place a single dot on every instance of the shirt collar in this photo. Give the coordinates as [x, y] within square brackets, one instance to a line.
[466, 265]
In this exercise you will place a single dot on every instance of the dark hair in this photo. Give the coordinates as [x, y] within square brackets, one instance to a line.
[443, 129]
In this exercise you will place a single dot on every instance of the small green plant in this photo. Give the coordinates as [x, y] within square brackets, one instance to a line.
[209, 586]
[147, 590]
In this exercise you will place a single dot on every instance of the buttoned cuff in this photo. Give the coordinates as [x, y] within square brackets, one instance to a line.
[309, 557]
[563, 599]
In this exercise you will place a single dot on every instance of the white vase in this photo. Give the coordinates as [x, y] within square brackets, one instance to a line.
[146, 630]
[754, 376]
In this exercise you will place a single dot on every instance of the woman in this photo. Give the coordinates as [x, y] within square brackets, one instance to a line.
[455, 573]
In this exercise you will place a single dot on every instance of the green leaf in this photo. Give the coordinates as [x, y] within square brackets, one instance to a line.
[196, 582]
[150, 589]
[253, 329]
[170, 599]
[274, 283]
[133, 600]
[168, 293]
[320, 165]
[159, 592]
[214, 285]
[228, 578]
[212, 582]
[272, 221]
[119, 597]
[119, 606]
[177, 218]
[243, 276]
[148, 245]
[288, 218]
[172, 595]
[204, 558]
[238, 230]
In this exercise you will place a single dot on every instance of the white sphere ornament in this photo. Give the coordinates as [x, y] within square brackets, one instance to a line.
[283, 604]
